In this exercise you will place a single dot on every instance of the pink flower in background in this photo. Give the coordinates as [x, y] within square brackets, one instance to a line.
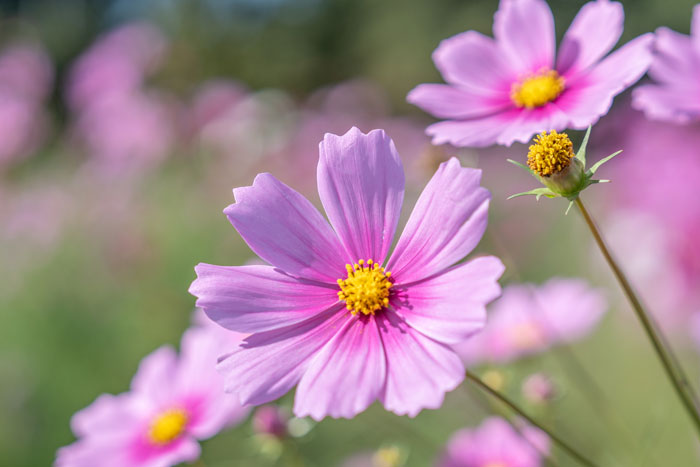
[495, 443]
[26, 76]
[121, 124]
[507, 89]
[529, 319]
[173, 402]
[115, 65]
[331, 314]
[675, 96]
[654, 222]
[270, 420]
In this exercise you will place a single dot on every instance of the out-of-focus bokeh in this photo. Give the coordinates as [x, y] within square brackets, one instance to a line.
[125, 124]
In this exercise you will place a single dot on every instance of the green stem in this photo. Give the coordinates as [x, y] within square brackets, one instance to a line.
[674, 372]
[504, 400]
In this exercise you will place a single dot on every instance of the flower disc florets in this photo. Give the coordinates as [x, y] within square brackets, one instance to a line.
[550, 154]
[537, 90]
[366, 288]
[167, 426]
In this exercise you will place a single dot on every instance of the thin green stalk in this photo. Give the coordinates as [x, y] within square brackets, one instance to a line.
[674, 372]
[510, 404]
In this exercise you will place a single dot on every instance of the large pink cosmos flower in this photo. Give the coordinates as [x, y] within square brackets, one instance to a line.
[676, 66]
[495, 443]
[331, 313]
[507, 89]
[527, 320]
[173, 402]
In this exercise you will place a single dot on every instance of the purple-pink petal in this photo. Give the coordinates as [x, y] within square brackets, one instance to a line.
[361, 185]
[445, 101]
[258, 298]
[474, 62]
[347, 375]
[447, 222]
[287, 231]
[419, 369]
[524, 30]
[451, 306]
[593, 33]
[153, 371]
[268, 364]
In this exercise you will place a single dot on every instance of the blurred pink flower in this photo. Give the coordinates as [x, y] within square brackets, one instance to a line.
[495, 443]
[270, 420]
[321, 317]
[115, 65]
[538, 388]
[173, 402]
[26, 76]
[529, 319]
[675, 96]
[653, 223]
[507, 89]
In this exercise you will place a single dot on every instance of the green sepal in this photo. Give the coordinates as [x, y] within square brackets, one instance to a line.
[597, 165]
[537, 192]
[581, 154]
[522, 166]
[568, 208]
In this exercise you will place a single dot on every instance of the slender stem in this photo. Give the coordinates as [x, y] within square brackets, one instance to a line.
[503, 399]
[674, 372]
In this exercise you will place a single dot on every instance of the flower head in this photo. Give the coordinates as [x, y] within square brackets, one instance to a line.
[674, 95]
[495, 444]
[506, 89]
[173, 402]
[528, 320]
[335, 314]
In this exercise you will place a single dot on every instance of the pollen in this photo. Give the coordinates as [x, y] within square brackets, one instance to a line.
[537, 89]
[550, 153]
[366, 288]
[167, 426]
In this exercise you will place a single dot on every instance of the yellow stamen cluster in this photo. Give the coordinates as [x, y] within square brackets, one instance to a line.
[550, 153]
[167, 426]
[537, 89]
[366, 289]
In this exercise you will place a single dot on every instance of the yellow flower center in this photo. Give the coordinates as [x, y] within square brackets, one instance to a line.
[387, 457]
[167, 426]
[550, 153]
[525, 336]
[366, 289]
[537, 89]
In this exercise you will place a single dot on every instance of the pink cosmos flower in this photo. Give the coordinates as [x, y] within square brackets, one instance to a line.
[495, 443]
[331, 313]
[675, 96]
[527, 320]
[173, 402]
[507, 89]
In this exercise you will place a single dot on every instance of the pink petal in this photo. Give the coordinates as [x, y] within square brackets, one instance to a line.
[269, 364]
[286, 230]
[593, 33]
[447, 222]
[346, 376]
[533, 121]
[675, 59]
[445, 101]
[200, 387]
[477, 132]
[258, 298]
[361, 185]
[154, 375]
[107, 414]
[695, 28]
[524, 30]
[590, 95]
[474, 62]
[451, 306]
[419, 370]
[666, 103]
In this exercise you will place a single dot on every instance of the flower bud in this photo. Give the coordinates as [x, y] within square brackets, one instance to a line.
[551, 157]
[538, 388]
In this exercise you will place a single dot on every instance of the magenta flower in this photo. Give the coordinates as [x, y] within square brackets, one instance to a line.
[173, 402]
[509, 88]
[331, 313]
[676, 95]
[527, 320]
[495, 443]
